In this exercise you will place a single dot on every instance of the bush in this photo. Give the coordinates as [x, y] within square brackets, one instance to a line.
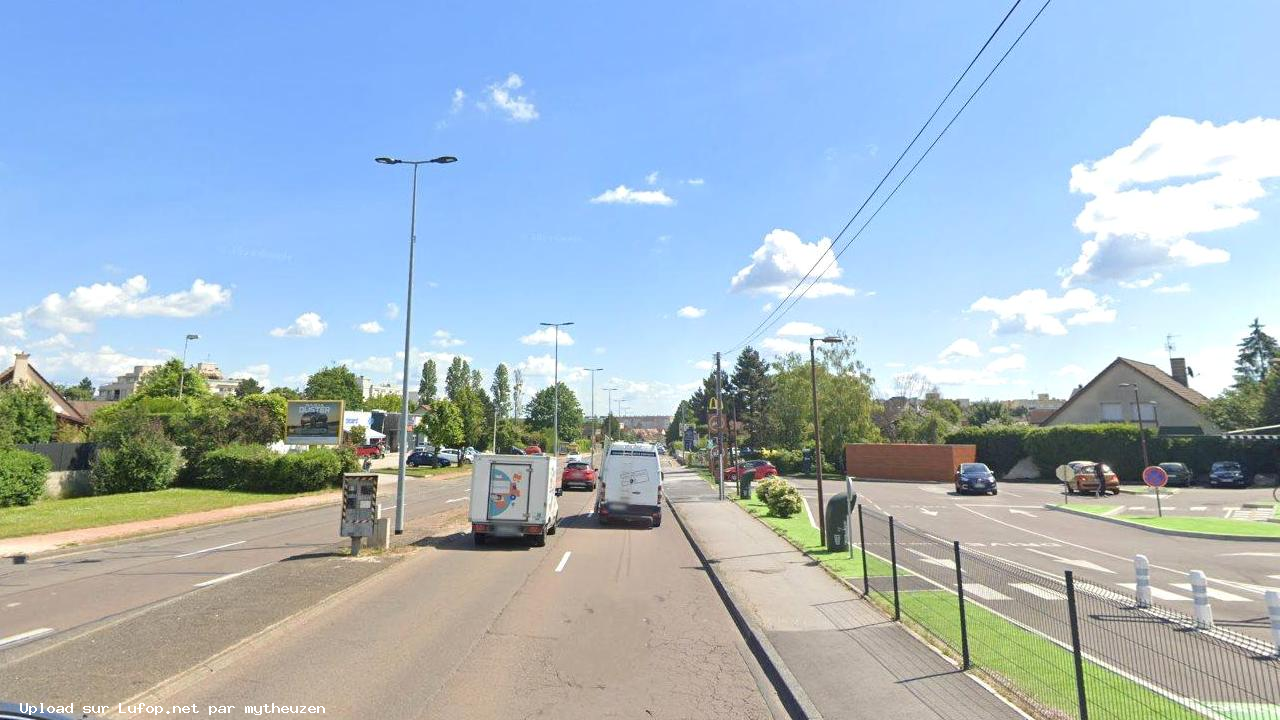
[22, 477]
[767, 487]
[236, 467]
[139, 463]
[350, 463]
[314, 469]
[788, 462]
[783, 501]
[999, 446]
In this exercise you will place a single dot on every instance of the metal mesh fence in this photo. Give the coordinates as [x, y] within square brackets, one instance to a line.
[1065, 647]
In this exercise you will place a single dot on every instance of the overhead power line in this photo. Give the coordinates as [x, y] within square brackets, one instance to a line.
[784, 306]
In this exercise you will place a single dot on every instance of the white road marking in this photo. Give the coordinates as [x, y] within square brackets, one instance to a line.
[935, 490]
[197, 552]
[1038, 591]
[1253, 554]
[1274, 577]
[984, 592]
[933, 560]
[1214, 593]
[217, 580]
[807, 511]
[1078, 563]
[13, 604]
[1114, 510]
[1021, 512]
[1158, 592]
[24, 636]
[455, 500]
[1199, 508]
[933, 513]
[564, 560]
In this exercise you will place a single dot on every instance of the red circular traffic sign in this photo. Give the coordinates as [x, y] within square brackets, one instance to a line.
[1155, 476]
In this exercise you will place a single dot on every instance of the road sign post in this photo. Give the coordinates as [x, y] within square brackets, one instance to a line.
[1156, 477]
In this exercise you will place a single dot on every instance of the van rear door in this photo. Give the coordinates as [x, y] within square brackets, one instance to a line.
[509, 490]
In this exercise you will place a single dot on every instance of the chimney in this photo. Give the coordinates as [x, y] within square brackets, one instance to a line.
[1179, 367]
[21, 368]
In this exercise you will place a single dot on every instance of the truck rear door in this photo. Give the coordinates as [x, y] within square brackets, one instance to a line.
[509, 490]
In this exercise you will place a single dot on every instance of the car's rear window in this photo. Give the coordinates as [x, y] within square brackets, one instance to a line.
[973, 467]
[576, 466]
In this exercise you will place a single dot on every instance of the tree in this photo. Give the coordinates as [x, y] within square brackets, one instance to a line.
[248, 386]
[517, 392]
[540, 412]
[355, 435]
[287, 393]
[500, 390]
[1237, 407]
[386, 403]
[427, 385]
[1270, 414]
[477, 418]
[257, 419]
[1257, 351]
[457, 377]
[163, 381]
[477, 380]
[752, 388]
[702, 397]
[336, 383]
[444, 429]
[610, 426]
[913, 385]
[984, 412]
[25, 416]
[82, 390]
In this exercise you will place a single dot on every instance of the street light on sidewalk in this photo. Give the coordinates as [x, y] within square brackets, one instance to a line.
[594, 422]
[408, 314]
[609, 403]
[817, 433]
[183, 375]
[1137, 411]
[555, 413]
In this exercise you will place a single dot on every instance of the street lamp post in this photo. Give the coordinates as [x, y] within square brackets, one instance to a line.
[555, 413]
[817, 433]
[594, 421]
[183, 375]
[1137, 411]
[408, 314]
[609, 401]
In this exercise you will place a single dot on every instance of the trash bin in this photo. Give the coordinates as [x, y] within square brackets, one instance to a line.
[838, 521]
[744, 485]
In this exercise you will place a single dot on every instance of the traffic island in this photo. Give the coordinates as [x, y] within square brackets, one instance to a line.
[1197, 527]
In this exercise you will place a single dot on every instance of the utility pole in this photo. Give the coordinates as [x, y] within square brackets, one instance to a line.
[595, 423]
[720, 433]
[555, 413]
[817, 434]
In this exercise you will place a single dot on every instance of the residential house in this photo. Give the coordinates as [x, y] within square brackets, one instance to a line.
[1165, 400]
[124, 385]
[22, 373]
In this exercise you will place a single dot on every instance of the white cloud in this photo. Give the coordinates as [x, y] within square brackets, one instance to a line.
[960, 348]
[991, 375]
[542, 368]
[1171, 289]
[801, 329]
[1034, 311]
[260, 372]
[419, 357]
[459, 97]
[1017, 361]
[442, 338]
[782, 346]
[547, 336]
[1074, 373]
[374, 364]
[623, 195]
[601, 350]
[80, 308]
[307, 325]
[11, 325]
[517, 107]
[1145, 282]
[895, 364]
[766, 307]
[651, 178]
[704, 365]
[1004, 349]
[59, 340]
[393, 310]
[1178, 178]
[695, 181]
[105, 363]
[372, 327]
[782, 260]
[691, 312]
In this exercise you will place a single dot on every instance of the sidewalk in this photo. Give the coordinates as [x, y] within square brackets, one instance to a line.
[848, 659]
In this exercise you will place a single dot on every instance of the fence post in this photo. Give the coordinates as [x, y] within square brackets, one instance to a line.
[964, 625]
[1273, 609]
[1075, 645]
[893, 560]
[1200, 593]
[862, 543]
[1142, 591]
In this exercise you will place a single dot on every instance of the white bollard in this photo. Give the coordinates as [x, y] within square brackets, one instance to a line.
[1142, 591]
[1273, 609]
[1200, 593]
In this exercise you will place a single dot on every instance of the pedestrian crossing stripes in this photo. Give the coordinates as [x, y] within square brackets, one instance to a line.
[1158, 593]
[1214, 593]
[1040, 592]
[979, 590]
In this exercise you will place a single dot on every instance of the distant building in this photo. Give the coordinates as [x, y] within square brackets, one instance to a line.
[1167, 401]
[218, 385]
[22, 373]
[125, 385]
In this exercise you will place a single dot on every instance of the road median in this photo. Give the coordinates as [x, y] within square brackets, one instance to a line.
[1196, 527]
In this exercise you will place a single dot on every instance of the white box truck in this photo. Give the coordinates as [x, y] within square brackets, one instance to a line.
[514, 496]
[630, 486]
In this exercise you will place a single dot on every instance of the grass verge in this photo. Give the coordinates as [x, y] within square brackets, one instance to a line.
[47, 516]
[1202, 525]
[421, 471]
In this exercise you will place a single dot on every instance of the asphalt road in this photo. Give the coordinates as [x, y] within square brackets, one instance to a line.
[1015, 526]
[63, 593]
[603, 622]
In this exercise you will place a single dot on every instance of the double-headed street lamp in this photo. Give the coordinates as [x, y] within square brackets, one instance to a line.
[408, 314]
[183, 375]
[1137, 411]
[817, 432]
[555, 413]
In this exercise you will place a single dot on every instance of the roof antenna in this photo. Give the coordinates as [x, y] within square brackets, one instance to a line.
[1169, 346]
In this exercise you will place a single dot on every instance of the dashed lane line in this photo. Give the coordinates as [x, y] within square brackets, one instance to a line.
[1070, 561]
[218, 547]
[25, 636]
[564, 560]
[224, 578]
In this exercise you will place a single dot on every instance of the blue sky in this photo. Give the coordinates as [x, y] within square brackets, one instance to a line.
[620, 163]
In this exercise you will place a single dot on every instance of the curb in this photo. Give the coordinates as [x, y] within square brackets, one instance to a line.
[793, 697]
[1163, 531]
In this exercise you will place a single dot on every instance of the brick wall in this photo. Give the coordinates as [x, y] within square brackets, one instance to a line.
[902, 461]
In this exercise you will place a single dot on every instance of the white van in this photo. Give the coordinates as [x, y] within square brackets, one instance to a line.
[514, 496]
[630, 484]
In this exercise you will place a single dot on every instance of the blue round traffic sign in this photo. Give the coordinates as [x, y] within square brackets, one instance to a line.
[1155, 476]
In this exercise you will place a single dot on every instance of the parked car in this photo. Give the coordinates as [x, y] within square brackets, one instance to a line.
[1084, 478]
[453, 456]
[533, 450]
[513, 450]
[469, 455]
[756, 469]
[420, 458]
[370, 450]
[1228, 472]
[578, 474]
[1179, 474]
[976, 478]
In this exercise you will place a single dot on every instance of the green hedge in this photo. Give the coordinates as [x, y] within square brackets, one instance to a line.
[256, 468]
[999, 446]
[313, 469]
[140, 463]
[22, 477]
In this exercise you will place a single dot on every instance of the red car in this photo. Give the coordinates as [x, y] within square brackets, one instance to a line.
[369, 450]
[756, 469]
[578, 474]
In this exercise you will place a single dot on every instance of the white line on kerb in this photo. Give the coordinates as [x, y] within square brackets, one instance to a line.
[24, 636]
[455, 500]
[197, 552]
[564, 560]
[217, 580]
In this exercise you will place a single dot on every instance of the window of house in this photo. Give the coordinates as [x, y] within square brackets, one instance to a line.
[1148, 412]
[1112, 412]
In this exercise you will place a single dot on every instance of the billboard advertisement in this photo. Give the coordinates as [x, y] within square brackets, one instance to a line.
[313, 422]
